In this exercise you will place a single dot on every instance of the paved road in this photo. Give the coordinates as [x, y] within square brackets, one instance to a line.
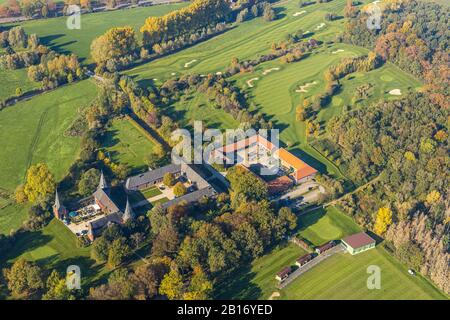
[318, 259]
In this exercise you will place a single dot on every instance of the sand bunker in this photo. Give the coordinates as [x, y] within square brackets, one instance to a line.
[187, 64]
[395, 92]
[306, 32]
[337, 51]
[274, 295]
[154, 79]
[250, 82]
[270, 70]
[320, 26]
[299, 13]
[219, 73]
[173, 73]
[305, 86]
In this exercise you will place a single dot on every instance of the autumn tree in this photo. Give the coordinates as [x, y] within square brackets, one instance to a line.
[24, 279]
[383, 220]
[39, 182]
[117, 43]
[172, 285]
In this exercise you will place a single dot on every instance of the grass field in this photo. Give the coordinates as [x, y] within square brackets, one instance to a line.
[340, 277]
[197, 107]
[12, 79]
[344, 276]
[54, 32]
[126, 145]
[32, 132]
[54, 247]
[244, 41]
[323, 225]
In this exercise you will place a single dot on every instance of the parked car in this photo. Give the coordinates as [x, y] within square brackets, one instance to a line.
[411, 272]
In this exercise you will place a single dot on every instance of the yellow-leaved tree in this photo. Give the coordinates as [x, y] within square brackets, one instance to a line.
[39, 182]
[383, 221]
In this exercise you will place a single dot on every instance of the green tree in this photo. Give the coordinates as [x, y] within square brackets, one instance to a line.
[118, 252]
[179, 189]
[99, 251]
[88, 182]
[57, 288]
[169, 179]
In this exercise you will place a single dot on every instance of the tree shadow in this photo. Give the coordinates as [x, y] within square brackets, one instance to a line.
[238, 286]
[25, 241]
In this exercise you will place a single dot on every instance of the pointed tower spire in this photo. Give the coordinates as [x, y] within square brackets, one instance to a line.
[128, 214]
[58, 208]
[103, 184]
[57, 204]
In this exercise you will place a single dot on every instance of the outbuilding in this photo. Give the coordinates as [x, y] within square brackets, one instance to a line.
[358, 242]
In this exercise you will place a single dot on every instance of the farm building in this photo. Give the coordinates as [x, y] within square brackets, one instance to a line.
[283, 274]
[304, 259]
[325, 247]
[359, 242]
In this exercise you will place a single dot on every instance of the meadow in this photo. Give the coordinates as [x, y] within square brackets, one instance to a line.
[13, 79]
[55, 247]
[33, 131]
[244, 41]
[126, 145]
[342, 276]
[55, 34]
[196, 106]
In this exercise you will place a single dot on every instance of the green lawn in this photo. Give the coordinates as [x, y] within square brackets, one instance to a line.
[126, 145]
[54, 33]
[54, 247]
[142, 195]
[197, 107]
[245, 41]
[13, 79]
[344, 276]
[322, 225]
[32, 132]
[340, 277]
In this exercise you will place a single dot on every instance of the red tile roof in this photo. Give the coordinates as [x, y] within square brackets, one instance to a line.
[302, 169]
[358, 240]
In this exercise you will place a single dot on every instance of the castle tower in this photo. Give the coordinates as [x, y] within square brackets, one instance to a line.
[102, 184]
[58, 208]
[128, 214]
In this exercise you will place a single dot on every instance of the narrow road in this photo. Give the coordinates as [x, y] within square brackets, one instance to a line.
[318, 259]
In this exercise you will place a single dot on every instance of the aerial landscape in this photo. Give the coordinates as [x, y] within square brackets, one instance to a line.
[224, 150]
